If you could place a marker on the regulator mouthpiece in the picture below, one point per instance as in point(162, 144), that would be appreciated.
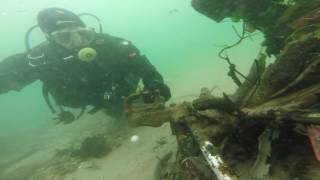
point(87, 54)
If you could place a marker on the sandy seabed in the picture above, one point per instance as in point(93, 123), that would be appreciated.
point(36, 159)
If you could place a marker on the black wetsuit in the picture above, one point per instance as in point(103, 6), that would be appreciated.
point(102, 83)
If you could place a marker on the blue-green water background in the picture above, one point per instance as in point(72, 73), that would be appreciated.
point(183, 45)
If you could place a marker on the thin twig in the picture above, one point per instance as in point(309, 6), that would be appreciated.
point(226, 58)
point(236, 31)
point(242, 37)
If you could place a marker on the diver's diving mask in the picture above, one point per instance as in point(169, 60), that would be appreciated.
point(73, 38)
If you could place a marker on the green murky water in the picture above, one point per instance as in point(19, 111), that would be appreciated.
point(181, 43)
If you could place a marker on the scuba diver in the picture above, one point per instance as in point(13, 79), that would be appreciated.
point(80, 67)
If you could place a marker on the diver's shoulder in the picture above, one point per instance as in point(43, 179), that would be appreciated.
point(109, 37)
point(115, 41)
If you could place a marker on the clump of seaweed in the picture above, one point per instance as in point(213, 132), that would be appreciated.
point(93, 147)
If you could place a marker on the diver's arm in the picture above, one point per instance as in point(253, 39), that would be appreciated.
point(140, 65)
point(129, 56)
point(152, 79)
point(15, 73)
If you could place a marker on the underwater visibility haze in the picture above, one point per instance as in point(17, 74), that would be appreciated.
point(181, 43)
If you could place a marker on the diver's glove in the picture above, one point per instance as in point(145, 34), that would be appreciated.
point(108, 96)
point(164, 91)
point(148, 97)
point(151, 94)
point(111, 96)
point(65, 117)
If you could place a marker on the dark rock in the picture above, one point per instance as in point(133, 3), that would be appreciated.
point(94, 147)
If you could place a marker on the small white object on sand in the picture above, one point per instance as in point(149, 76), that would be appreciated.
point(134, 138)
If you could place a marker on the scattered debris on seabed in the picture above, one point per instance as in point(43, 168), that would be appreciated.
point(270, 127)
